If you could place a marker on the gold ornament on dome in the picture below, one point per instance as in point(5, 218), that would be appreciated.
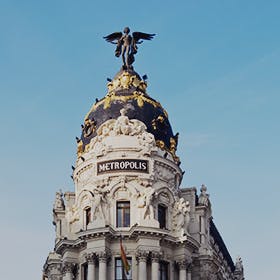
point(126, 81)
point(155, 122)
point(172, 149)
point(79, 148)
point(89, 127)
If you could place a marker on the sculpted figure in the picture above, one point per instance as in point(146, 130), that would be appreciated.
point(238, 264)
point(149, 194)
point(182, 215)
point(146, 140)
point(59, 202)
point(127, 44)
point(203, 197)
point(97, 205)
point(122, 125)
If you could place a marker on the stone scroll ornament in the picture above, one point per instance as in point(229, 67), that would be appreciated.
point(127, 44)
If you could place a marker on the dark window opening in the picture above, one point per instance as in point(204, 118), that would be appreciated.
point(88, 216)
point(120, 273)
point(123, 214)
point(162, 216)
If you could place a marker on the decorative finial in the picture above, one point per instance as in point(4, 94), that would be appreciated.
point(127, 44)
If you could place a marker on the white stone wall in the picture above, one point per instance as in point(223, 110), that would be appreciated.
point(185, 244)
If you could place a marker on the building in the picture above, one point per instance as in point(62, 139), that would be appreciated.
point(128, 218)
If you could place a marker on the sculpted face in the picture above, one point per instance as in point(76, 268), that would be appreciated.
point(126, 30)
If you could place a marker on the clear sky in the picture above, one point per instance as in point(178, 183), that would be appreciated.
point(213, 65)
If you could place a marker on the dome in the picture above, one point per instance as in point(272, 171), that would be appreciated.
point(128, 91)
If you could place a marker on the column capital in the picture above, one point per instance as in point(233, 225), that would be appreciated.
point(142, 255)
point(183, 264)
point(68, 267)
point(155, 256)
point(90, 258)
point(103, 256)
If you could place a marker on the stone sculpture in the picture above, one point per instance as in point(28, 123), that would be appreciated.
point(181, 216)
point(203, 197)
point(59, 202)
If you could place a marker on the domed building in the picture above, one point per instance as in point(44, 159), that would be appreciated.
point(128, 218)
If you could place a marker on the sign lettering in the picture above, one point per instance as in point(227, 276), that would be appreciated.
point(122, 165)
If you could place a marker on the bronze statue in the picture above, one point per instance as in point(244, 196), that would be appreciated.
point(127, 44)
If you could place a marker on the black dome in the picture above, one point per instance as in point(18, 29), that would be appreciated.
point(128, 91)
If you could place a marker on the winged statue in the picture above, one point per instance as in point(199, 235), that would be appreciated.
point(127, 44)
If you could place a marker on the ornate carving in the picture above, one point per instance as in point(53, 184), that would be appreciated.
point(91, 257)
point(147, 143)
point(89, 127)
point(103, 256)
point(122, 126)
point(203, 197)
point(183, 264)
point(146, 201)
point(68, 267)
point(239, 270)
point(59, 202)
point(80, 148)
point(155, 256)
point(142, 255)
point(181, 217)
point(128, 127)
point(238, 264)
point(97, 205)
point(158, 122)
point(72, 215)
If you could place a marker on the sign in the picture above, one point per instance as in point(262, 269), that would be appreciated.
point(122, 165)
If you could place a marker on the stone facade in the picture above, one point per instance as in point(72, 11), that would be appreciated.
point(127, 194)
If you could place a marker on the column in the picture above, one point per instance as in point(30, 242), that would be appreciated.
point(189, 274)
point(68, 271)
point(155, 265)
point(142, 264)
point(91, 266)
point(102, 257)
point(183, 270)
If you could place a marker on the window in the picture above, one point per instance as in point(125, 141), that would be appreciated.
point(120, 273)
point(162, 216)
point(163, 271)
point(123, 214)
point(88, 215)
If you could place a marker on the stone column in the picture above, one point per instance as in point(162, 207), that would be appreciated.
point(91, 266)
point(183, 270)
point(142, 264)
point(102, 257)
point(189, 273)
point(68, 271)
point(155, 265)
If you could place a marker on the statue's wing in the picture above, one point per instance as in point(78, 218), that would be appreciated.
point(140, 35)
point(113, 37)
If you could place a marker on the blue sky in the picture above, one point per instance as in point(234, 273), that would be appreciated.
point(214, 66)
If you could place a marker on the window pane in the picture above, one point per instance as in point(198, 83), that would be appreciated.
point(120, 273)
point(123, 214)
